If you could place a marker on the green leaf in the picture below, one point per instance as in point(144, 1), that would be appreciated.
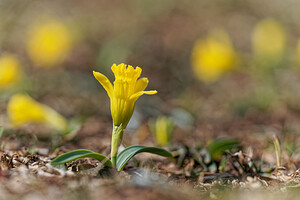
point(80, 153)
point(1, 131)
point(131, 151)
point(218, 147)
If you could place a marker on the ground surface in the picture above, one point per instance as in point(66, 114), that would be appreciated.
point(27, 174)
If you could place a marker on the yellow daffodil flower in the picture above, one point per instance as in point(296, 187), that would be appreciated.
point(268, 39)
point(123, 94)
point(213, 56)
point(22, 110)
point(162, 129)
point(49, 43)
point(10, 70)
point(125, 91)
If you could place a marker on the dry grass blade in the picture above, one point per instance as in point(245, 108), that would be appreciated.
point(277, 150)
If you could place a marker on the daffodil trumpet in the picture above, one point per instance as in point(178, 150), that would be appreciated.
point(123, 94)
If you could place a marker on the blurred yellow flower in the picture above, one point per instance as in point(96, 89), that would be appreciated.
point(162, 129)
point(213, 56)
point(125, 91)
point(268, 39)
point(10, 70)
point(49, 43)
point(22, 110)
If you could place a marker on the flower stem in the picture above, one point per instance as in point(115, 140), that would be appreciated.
point(116, 140)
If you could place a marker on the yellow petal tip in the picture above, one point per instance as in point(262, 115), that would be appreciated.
point(151, 92)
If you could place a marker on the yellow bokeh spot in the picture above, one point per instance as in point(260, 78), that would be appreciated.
point(22, 110)
point(268, 38)
point(10, 70)
point(213, 56)
point(162, 128)
point(49, 43)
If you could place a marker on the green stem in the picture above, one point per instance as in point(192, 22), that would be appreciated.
point(114, 161)
point(116, 140)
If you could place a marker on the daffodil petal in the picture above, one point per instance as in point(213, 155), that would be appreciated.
point(135, 96)
point(103, 80)
point(141, 84)
point(150, 92)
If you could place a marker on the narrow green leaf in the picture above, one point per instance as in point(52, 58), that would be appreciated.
point(80, 153)
point(131, 151)
point(2, 144)
point(1, 131)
